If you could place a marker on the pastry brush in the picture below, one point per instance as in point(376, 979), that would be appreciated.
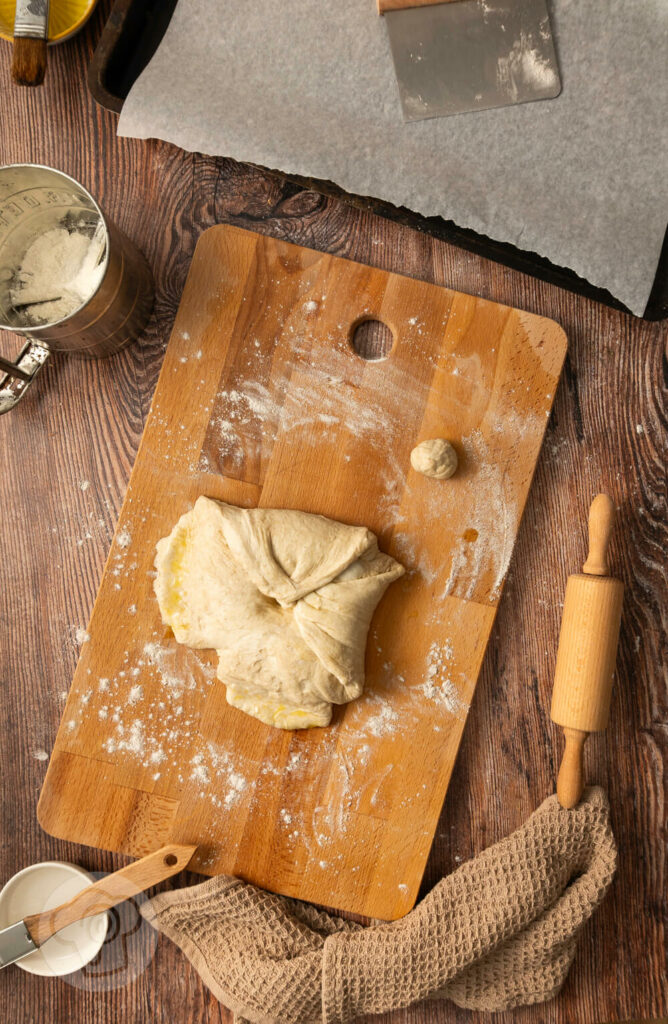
point(30, 33)
point(24, 937)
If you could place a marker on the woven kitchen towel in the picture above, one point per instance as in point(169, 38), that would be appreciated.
point(497, 933)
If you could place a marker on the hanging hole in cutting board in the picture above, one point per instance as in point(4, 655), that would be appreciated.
point(371, 339)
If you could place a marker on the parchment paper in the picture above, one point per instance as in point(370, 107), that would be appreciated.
point(308, 87)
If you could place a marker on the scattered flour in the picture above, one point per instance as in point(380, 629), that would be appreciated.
point(134, 740)
point(124, 538)
point(250, 416)
point(163, 659)
point(200, 772)
point(40, 755)
point(383, 723)
point(237, 784)
point(492, 517)
point(438, 686)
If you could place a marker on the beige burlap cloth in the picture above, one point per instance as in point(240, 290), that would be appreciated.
point(497, 933)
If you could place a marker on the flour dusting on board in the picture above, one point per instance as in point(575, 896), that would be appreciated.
point(438, 685)
point(163, 659)
point(319, 403)
point(312, 403)
point(169, 728)
point(492, 514)
point(315, 394)
point(124, 538)
point(383, 723)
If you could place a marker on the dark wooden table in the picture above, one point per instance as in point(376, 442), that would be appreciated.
point(83, 422)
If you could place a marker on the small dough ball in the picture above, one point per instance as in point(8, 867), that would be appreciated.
point(436, 458)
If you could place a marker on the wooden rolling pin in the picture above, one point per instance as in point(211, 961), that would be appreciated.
point(587, 652)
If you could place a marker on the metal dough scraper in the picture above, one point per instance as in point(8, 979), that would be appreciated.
point(451, 56)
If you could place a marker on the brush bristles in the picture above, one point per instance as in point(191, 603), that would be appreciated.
point(29, 61)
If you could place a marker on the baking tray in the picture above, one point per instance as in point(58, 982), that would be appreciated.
point(128, 41)
point(132, 35)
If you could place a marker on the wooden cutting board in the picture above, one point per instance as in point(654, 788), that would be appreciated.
point(262, 400)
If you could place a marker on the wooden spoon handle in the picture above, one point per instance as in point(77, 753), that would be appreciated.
point(109, 891)
point(570, 781)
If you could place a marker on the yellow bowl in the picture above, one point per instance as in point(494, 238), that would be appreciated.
point(65, 18)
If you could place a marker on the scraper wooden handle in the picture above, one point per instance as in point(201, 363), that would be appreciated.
point(400, 5)
point(587, 652)
point(109, 891)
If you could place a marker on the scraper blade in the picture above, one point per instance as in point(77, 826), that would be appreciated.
point(470, 55)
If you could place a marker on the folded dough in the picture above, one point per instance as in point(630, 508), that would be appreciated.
point(285, 598)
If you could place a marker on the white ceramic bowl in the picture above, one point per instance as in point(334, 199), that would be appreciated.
point(43, 887)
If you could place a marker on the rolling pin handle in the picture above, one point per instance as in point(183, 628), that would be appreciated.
point(570, 781)
point(601, 521)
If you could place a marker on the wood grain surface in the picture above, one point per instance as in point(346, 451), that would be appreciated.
point(66, 459)
point(281, 411)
